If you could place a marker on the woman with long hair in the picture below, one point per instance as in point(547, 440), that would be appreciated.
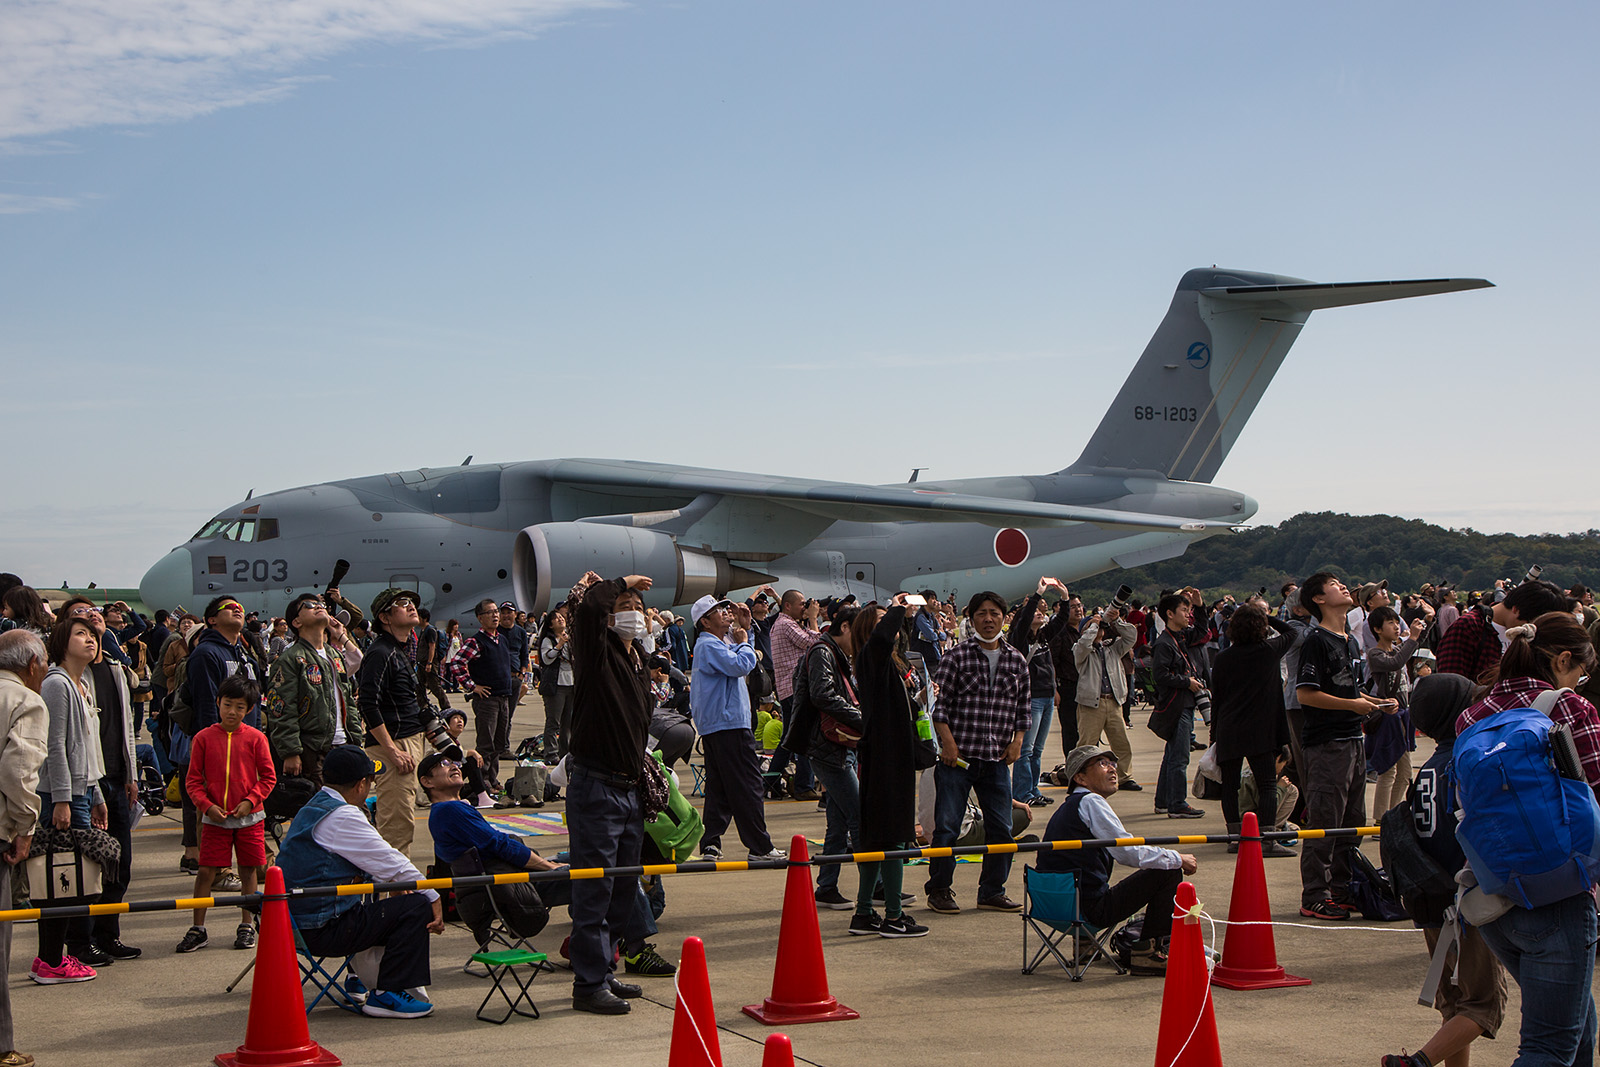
point(1247, 717)
point(886, 755)
point(24, 607)
point(69, 782)
point(555, 659)
point(1548, 950)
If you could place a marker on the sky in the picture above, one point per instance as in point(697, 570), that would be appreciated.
point(264, 243)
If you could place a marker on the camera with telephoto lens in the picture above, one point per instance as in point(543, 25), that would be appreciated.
point(439, 737)
point(1120, 600)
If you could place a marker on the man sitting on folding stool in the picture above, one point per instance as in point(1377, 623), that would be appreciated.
point(1086, 815)
point(331, 842)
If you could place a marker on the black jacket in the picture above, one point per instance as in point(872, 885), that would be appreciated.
point(1247, 696)
point(821, 686)
point(387, 688)
point(887, 753)
point(611, 693)
point(1173, 666)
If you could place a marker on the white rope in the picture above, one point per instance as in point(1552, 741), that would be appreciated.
point(1334, 927)
point(678, 996)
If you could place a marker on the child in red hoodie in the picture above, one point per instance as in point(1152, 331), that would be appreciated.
point(230, 775)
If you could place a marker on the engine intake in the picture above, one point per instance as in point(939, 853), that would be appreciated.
point(550, 557)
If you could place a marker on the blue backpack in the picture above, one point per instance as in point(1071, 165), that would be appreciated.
point(1529, 833)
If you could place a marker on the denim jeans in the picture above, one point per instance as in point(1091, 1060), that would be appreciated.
point(1549, 952)
point(991, 781)
point(1172, 783)
point(1025, 772)
point(606, 824)
point(844, 814)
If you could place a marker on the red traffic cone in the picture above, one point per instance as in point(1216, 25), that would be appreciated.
point(1249, 954)
point(799, 978)
point(779, 1053)
point(694, 1019)
point(276, 1035)
point(1188, 1036)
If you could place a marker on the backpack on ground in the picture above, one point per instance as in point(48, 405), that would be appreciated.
point(1372, 891)
point(1530, 832)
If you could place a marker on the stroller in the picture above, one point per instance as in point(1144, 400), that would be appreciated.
point(152, 785)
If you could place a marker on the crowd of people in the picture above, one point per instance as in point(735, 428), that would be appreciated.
point(910, 722)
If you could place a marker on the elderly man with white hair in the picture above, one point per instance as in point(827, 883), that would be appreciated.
point(23, 665)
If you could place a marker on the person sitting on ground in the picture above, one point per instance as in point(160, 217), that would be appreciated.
point(331, 842)
point(456, 826)
point(1472, 994)
point(1286, 793)
point(1086, 815)
point(230, 775)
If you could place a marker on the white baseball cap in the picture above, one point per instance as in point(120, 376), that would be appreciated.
point(703, 605)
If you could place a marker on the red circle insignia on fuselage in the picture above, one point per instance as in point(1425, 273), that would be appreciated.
point(1011, 547)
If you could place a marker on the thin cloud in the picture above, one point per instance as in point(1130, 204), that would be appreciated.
point(19, 204)
point(77, 64)
point(907, 361)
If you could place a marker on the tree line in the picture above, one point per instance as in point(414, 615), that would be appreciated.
point(1358, 548)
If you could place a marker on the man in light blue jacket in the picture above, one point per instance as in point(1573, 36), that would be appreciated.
point(720, 703)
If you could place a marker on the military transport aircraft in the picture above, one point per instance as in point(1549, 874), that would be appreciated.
point(1140, 492)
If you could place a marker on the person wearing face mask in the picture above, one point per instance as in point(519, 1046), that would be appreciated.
point(606, 779)
point(486, 669)
point(723, 655)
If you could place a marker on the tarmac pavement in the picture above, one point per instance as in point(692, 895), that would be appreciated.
point(948, 998)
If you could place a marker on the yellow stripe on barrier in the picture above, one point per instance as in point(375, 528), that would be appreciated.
point(359, 889)
point(586, 873)
point(869, 857)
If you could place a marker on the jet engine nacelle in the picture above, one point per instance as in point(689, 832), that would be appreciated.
point(550, 557)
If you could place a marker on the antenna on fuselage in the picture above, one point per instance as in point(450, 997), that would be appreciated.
point(251, 493)
point(914, 472)
point(466, 461)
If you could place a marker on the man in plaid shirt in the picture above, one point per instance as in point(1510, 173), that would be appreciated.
point(981, 715)
point(793, 633)
point(1476, 641)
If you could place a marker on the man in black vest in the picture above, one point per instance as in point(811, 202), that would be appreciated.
point(1085, 816)
point(487, 670)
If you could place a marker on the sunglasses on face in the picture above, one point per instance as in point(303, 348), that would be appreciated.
point(84, 611)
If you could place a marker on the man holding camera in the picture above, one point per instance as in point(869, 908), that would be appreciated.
point(1477, 639)
point(394, 718)
point(1178, 684)
point(1103, 686)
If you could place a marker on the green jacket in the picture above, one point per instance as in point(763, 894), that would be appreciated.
point(303, 698)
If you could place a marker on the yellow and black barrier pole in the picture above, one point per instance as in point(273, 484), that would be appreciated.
point(252, 900)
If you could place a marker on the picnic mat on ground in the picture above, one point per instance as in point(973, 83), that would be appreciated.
point(522, 821)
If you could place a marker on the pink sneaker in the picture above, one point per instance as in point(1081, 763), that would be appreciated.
point(70, 971)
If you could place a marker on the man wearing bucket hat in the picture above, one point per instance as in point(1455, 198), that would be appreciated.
point(330, 842)
point(1086, 815)
point(387, 695)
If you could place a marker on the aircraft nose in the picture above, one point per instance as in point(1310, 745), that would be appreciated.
point(170, 583)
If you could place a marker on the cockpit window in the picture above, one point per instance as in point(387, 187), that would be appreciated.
point(266, 529)
point(236, 530)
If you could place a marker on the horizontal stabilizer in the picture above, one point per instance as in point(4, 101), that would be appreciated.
point(1312, 296)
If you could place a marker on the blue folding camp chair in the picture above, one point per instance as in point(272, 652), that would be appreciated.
point(1050, 909)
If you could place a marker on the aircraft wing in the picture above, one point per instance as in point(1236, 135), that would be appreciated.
point(848, 501)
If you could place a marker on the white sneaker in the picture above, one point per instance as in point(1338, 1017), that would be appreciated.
point(775, 854)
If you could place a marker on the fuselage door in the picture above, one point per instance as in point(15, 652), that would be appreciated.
point(861, 578)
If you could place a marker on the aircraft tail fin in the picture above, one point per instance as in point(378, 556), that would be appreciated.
point(1210, 361)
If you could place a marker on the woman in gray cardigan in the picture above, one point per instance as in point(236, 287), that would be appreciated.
point(69, 783)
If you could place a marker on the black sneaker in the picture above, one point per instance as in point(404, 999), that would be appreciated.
point(90, 955)
point(195, 939)
point(648, 963)
point(905, 898)
point(865, 925)
point(901, 926)
point(1128, 785)
point(833, 900)
point(188, 865)
point(118, 951)
point(943, 901)
point(1324, 909)
point(1416, 1059)
point(245, 936)
point(1185, 811)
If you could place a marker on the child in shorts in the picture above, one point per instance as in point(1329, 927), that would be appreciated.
point(230, 775)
